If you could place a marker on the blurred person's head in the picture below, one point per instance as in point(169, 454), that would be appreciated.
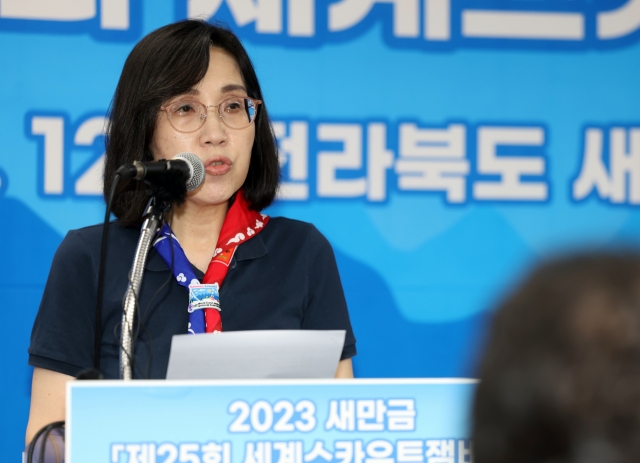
point(560, 377)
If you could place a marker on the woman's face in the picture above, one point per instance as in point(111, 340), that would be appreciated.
point(225, 152)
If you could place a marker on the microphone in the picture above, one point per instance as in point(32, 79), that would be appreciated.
point(187, 165)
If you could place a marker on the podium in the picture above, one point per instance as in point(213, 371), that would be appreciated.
point(270, 421)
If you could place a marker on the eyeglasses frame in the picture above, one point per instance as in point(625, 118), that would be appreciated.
point(206, 113)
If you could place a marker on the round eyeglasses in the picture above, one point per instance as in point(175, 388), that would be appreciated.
point(188, 115)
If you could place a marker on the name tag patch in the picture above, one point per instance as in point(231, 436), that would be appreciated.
point(204, 297)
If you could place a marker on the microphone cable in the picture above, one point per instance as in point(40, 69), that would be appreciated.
point(43, 434)
point(101, 272)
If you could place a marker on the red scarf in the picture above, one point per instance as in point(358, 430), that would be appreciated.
point(240, 225)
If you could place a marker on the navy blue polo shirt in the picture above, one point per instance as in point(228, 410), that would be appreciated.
point(285, 277)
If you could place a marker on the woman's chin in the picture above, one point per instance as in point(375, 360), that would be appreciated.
point(210, 195)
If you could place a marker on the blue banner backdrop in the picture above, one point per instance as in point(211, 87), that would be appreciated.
point(443, 146)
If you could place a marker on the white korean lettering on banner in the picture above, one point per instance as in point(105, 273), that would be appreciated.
point(184, 452)
point(342, 415)
point(52, 129)
point(288, 452)
point(293, 154)
point(370, 414)
point(345, 451)
point(286, 410)
point(91, 181)
point(318, 451)
point(379, 160)
point(307, 418)
point(510, 169)
point(401, 415)
point(257, 452)
point(349, 451)
point(440, 451)
point(430, 159)
point(593, 173)
point(301, 18)
point(408, 451)
point(189, 453)
point(216, 453)
point(437, 20)
point(379, 451)
point(523, 25)
point(168, 450)
point(433, 160)
point(296, 19)
point(465, 452)
point(621, 183)
point(345, 14)
point(60, 10)
point(625, 164)
point(116, 449)
point(404, 19)
point(262, 417)
point(114, 14)
point(349, 158)
point(267, 14)
point(141, 453)
point(619, 22)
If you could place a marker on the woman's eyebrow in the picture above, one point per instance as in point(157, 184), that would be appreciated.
point(232, 87)
point(225, 89)
point(191, 91)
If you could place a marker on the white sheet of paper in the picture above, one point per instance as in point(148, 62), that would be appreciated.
point(256, 354)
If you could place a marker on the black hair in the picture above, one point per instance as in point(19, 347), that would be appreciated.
point(168, 62)
point(560, 377)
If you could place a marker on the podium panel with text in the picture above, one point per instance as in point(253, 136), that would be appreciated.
point(277, 421)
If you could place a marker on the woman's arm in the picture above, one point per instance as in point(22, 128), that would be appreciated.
point(326, 305)
point(48, 389)
point(345, 369)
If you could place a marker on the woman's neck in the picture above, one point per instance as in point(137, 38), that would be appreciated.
point(198, 228)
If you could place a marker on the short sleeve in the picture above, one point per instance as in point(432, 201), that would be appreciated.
point(327, 307)
point(63, 331)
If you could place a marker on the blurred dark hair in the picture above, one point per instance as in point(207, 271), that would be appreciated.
point(560, 377)
point(166, 63)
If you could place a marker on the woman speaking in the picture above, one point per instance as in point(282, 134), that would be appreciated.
point(187, 87)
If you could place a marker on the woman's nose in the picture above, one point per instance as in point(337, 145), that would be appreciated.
point(213, 130)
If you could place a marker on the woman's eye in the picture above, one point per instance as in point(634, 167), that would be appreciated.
point(182, 109)
point(233, 106)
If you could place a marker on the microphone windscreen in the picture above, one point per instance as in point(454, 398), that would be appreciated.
point(197, 169)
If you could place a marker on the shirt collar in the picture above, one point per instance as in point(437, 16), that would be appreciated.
point(155, 262)
point(252, 249)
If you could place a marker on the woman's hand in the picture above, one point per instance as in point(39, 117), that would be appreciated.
point(48, 395)
point(345, 369)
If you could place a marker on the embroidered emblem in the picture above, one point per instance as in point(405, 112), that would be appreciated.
point(204, 297)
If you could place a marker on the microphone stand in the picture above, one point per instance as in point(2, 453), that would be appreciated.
point(153, 218)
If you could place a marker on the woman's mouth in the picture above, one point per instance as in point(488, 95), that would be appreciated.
point(218, 165)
